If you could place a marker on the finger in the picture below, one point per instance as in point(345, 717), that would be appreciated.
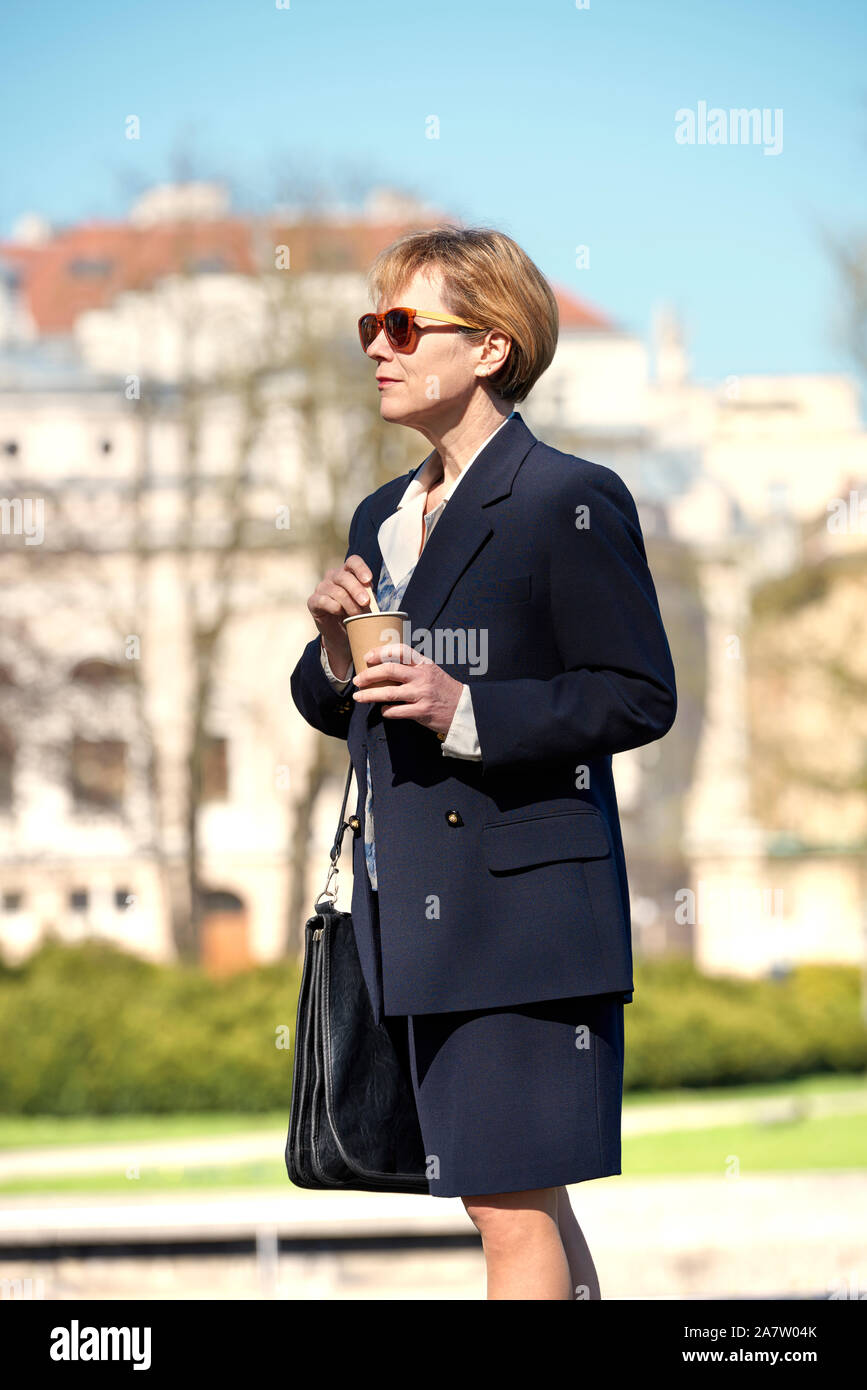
point(332, 601)
point(359, 568)
point(385, 678)
point(400, 711)
point(395, 651)
point(356, 577)
point(358, 592)
point(378, 672)
point(346, 597)
point(324, 602)
point(399, 693)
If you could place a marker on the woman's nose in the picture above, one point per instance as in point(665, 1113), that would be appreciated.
point(380, 347)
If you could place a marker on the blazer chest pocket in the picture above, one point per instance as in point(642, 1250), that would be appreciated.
point(513, 588)
point(543, 839)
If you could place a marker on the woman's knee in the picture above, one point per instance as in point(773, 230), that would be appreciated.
point(509, 1216)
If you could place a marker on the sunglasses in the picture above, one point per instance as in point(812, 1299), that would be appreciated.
point(400, 327)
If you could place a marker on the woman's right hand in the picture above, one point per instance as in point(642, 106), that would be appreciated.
point(341, 594)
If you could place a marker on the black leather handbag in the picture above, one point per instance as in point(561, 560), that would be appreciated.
point(352, 1117)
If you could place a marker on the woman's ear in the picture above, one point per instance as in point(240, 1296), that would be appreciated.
point(497, 346)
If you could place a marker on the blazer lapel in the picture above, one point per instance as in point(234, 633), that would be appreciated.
point(461, 532)
point(367, 540)
point(465, 526)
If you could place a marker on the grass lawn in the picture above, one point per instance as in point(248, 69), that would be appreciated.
point(34, 1131)
point(837, 1142)
point(829, 1142)
point(824, 1083)
point(158, 1179)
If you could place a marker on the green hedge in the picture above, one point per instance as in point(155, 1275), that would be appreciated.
point(691, 1030)
point(92, 1030)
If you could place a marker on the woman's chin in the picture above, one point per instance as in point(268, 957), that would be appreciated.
point(393, 410)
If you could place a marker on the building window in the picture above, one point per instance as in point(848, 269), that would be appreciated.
point(215, 779)
point(7, 769)
point(97, 672)
point(97, 773)
point(219, 900)
point(120, 897)
point(12, 902)
point(10, 446)
point(90, 267)
point(105, 446)
point(78, 899)
point(331, 255)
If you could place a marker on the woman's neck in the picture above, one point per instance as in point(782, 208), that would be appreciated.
point(455, 445)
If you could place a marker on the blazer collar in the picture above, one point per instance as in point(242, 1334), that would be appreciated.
point(464, 527)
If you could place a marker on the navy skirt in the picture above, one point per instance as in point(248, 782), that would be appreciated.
point(516, 1098)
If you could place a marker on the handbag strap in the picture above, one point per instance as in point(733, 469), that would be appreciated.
point(342, 827)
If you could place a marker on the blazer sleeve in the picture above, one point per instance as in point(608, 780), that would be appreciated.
point(329, 710)
point(617, 689)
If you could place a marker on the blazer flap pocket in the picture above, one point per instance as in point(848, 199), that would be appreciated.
point(541, 839)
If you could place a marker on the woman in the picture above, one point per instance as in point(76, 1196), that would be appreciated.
point(490, 900)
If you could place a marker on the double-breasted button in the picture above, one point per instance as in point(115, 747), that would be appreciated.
point(453, 818)
point(347, 705)
point(441, 737)
point(354, 824)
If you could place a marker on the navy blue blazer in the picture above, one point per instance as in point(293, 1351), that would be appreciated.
point(504, 881)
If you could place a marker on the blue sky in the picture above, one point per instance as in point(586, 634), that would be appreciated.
point(556, 124)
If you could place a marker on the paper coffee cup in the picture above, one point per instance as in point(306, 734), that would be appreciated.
point(368, 630)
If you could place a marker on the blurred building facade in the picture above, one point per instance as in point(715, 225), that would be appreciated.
point(738, 485)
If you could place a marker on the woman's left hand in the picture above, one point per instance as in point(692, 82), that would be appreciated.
point(417, 688)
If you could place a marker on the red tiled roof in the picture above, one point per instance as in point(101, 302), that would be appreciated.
point(575, 313)
point(85, 267)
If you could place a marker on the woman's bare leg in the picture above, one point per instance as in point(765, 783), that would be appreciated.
point(582, 1271)
point(524, 1253)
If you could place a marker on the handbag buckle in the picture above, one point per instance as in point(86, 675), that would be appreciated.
point(355, 825)
point(328, 891)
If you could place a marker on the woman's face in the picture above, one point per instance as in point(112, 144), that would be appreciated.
point(432, 385)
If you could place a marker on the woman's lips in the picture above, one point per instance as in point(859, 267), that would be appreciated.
point(386, 381)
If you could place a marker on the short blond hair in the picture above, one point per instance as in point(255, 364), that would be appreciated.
point(487, 280)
